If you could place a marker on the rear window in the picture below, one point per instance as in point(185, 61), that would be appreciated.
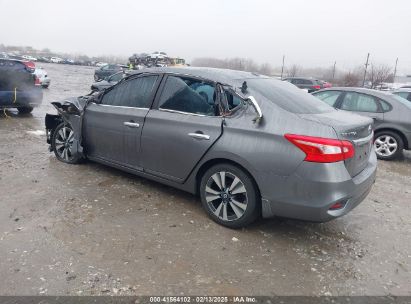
point(405, 102)
point(287, 96)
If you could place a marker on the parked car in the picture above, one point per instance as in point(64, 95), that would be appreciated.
point(43, 79)
point(391, 115)
point(18, 86)
point(404, 93)
point(325, 84)
point(43, 59)
point(29, 58)
point(308, 84)
point(249, 145)
point(107, 82)
point(107, 70)
point(101, 64)
point(56, 59)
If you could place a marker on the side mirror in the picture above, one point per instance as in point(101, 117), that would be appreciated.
point(257, 109)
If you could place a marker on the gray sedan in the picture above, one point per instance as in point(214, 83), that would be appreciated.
point(391, 115)
point(248, 145)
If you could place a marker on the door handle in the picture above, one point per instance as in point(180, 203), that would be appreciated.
point(131, 124)
point(199, 136)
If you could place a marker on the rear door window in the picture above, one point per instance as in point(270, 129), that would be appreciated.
point(134, 92)
point(359, 103)
point(188, 95)
point(330, 97)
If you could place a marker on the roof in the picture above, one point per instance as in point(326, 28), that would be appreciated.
point(403, 90)
point(224, 76)
point(380, 94)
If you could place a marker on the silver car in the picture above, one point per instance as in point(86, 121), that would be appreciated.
point(391, 115)
point(247, 144)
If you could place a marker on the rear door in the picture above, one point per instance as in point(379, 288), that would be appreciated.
point(112, 129)
point(363, 104)
point(181, 128)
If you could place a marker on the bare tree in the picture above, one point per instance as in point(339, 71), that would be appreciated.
point(293, 71)
point(237, 63)
point(350, 79)
point(379, 74)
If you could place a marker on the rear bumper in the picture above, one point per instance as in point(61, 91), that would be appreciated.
point(314, 188)
point(12, 99)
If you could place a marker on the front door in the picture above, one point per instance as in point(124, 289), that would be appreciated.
point(112, 129)
point(184, 126)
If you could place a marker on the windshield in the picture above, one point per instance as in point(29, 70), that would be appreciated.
point(288, 96)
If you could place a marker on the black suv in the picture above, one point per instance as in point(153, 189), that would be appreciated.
point(18, 86)
point(107, 70)
point(309, 84)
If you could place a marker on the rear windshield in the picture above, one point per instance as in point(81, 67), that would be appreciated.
point(402, 100)
point(288, 96)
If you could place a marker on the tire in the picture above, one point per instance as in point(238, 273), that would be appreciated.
point(45, 86)
point(388, 145)
point(230, 196)
point(62, 143)
point(25, 110)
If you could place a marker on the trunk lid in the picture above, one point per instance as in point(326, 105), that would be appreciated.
point(351, 127)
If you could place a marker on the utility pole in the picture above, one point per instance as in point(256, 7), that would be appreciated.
point(282, 68)
point(335, 62)
point(395, 70)
point(365, 70)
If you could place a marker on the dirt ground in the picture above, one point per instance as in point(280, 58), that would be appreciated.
point(92, 230)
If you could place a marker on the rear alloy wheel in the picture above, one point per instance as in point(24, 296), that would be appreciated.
point(25, 110)
point(62, 144)
point(388, 145)
point(229, 196)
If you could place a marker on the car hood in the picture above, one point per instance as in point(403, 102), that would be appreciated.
point(78, 102)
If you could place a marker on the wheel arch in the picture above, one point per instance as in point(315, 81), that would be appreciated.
point(400, 133)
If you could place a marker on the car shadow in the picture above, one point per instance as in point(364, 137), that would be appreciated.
point(11, 113)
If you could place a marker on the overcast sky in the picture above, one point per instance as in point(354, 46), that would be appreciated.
point(310, 33)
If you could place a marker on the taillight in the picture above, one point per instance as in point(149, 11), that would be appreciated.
point(322, 150)
point(317, 87)
point(36, 80)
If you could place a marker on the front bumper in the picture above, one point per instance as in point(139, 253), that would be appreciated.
point(314, 188)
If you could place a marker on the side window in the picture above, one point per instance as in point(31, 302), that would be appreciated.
point(306, 81)
point(232, 100)
point(329, 97)
point(188, 95)
point(105, 67)
point(131, 93)
point(359, 102)
point(385, 106)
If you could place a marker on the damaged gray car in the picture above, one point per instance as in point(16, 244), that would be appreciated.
point(247, 144)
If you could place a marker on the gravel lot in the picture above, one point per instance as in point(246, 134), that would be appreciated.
point(92, 230)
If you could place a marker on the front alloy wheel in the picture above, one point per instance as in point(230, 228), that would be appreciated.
point(62, 142)
point(229, 195)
